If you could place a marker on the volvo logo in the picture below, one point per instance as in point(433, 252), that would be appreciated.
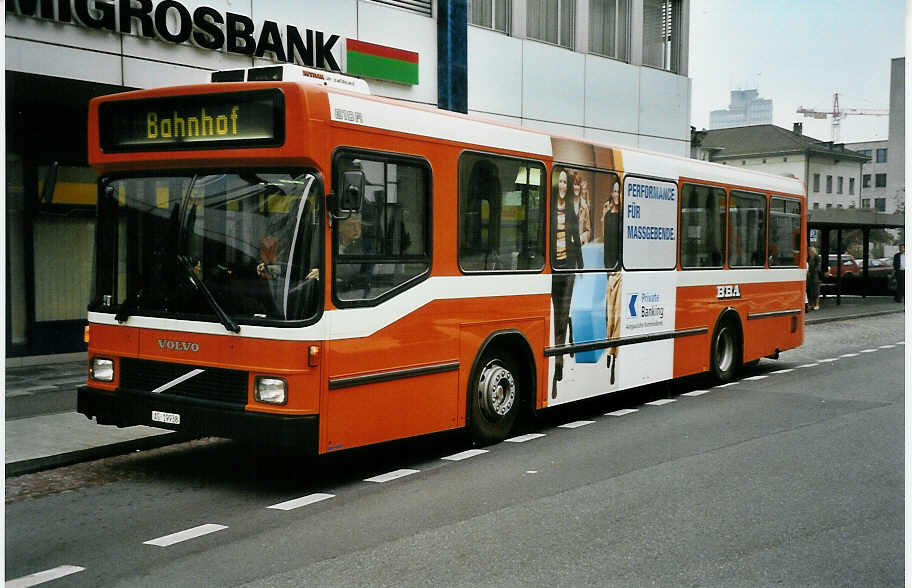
point(170, 345)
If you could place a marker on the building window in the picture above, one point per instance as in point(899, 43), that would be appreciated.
point(882, 155)
point(816, 205)
point(609, 27)
point(880, 180)
point(829, 205)
point(839, 185)
point(816, 182)
point(866, 180)
point(662, 34)
point(829, 184)
point(551, 21)
point(491, 14)
point(851, 185)
point(866, 203)
point(866, 153)
point(418, 6)
point(880, 204)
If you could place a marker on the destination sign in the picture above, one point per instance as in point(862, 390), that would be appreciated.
point(206, 121)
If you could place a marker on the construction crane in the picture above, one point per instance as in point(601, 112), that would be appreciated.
point(838, 114)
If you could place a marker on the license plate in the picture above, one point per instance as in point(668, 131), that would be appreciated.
point(166, 417)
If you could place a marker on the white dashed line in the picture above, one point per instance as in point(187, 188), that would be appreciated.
point(726, 385)
point(531, 471)
point(869, 351)
point(808, 365)
point(303, 501)
point(524, 438)
point(186, 535)
point(785, 371)
point(576, 424)
point(391, 476)
point(754, 378)
point(42, 577)
point(849, 355)
point(622, 412)
point(465, 454)
point(887, 346)
point(828, 360)
point(900, 342)
point(696, 393)
point(661, 402)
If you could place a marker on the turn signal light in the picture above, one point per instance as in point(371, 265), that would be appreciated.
point(85, 334)
point(313, 355)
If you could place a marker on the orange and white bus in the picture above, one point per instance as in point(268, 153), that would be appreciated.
point(286, 258)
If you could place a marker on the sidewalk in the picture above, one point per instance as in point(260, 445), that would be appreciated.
point(43, 429)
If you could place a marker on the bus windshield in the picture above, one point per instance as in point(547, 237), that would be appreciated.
point(241, 246)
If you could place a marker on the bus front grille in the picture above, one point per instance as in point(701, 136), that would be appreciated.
point(216, 384)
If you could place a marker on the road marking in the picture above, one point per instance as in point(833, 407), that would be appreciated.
point(887, 346)
point(465, 454)
point(849, 355)
point(524, 438)
point(869, 351)
point(303, 501)
point(531, 471)
point(622, 412)
point(660, 402)
point(576, 424)
point(785, 371)
point(696, 393)
point(42, 577)
point(752, 378)
point(725, 385)
point(391, 476)
point(186, 535)
point(828, 360)
point(900, 342)
point(807, 365)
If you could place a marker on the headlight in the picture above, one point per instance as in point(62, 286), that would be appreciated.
point(271, 390)
point(102, 369)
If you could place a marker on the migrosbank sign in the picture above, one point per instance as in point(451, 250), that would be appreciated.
point(208, 28)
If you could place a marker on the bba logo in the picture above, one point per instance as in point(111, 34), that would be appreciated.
point(723, 292)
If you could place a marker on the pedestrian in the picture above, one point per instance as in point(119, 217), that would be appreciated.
point(813, 279)
point(899, 270)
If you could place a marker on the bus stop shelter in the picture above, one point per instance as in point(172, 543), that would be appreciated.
point(841, 220)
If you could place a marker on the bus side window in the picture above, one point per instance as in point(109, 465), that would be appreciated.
point(702, 226)
point(501, 216)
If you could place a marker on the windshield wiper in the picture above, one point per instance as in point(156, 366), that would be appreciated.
point(207, 293)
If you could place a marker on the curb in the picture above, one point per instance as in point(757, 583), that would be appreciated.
point(38, 464)
point(846, 317)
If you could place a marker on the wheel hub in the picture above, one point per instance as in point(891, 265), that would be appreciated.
point(496, 390)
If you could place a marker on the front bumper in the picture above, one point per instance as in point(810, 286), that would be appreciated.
point(125, 408)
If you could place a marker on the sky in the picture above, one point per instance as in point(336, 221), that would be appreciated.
point(797, 53)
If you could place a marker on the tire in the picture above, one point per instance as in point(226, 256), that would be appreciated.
point(725, 351)
point(494, 398)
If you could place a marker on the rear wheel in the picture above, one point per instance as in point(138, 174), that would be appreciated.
point(725, 351)
point(494, 398)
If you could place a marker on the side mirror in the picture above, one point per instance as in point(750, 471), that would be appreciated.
point(352, 192)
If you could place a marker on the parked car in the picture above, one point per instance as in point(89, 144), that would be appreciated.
point(880, 276)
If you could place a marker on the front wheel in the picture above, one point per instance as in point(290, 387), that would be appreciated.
point(494, 398)
point(724, 351)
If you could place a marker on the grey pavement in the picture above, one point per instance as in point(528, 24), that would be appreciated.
point(43, 429)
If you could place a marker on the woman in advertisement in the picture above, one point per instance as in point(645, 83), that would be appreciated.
point(567, 254)
point(581, 208)
point(611, 223)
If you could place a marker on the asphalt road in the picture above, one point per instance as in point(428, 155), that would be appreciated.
point(792, 476)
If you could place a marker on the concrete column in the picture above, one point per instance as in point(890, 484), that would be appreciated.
point(452, 55)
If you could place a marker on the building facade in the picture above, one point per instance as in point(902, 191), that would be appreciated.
point(609, 70)
point(745, 108)
point(874, 192)
point(831, 172)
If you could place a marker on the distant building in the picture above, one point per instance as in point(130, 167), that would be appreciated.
point(831, 172)
point(746, 108)
point(874, 175)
